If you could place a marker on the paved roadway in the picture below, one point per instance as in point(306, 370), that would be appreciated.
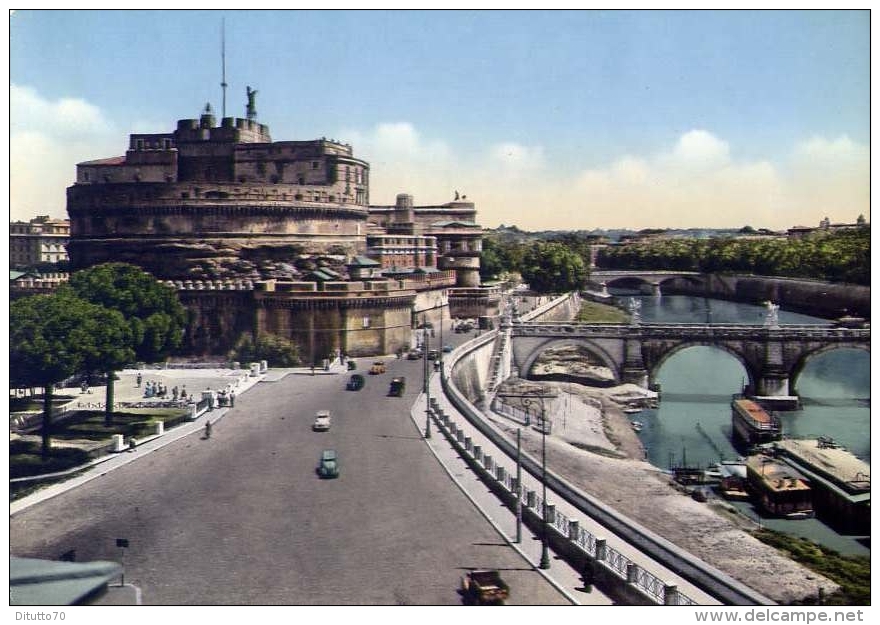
point(243, 519)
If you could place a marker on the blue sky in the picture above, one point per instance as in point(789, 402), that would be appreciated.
point(546, 119)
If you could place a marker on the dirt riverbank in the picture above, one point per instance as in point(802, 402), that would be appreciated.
point(593, 446)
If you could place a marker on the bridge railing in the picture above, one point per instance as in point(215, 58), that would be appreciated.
point(662, 330)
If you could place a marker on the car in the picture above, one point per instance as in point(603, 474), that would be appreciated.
point(433, 354)
point(356, 382)
point(328, 464)
point(398, 385)
point(377, 368)
point(414, 354)
point(447, 349)
point(322, 421)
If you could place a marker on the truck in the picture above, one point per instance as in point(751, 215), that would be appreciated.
point(484, 587)
point(398, 385)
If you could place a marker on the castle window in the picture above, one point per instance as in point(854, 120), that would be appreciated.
point(86, 176)
point(139, 144)
point(301, 180)
point(314, 164)
point(166, 144)
point(366, 322)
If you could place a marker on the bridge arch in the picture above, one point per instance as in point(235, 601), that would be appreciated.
point(606, 358)
point(807, 356)
point(654, 367)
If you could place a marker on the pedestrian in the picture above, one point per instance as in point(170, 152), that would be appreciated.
point(231, 399)
point(139, 379)
point(588, 574)
point(208, 428)
point(132, 444)
point(175, 392)
point(183, 392)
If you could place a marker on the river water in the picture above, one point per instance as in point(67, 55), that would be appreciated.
point(692, 424)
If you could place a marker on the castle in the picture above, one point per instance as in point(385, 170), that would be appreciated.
point(276, 237)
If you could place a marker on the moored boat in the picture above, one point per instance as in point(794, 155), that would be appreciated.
point(752, 424)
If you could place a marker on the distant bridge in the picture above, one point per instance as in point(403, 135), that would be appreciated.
point(773, 356)
point(612, 277)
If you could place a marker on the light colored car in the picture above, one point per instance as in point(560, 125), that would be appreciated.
point(322, 421)
point(328, 465)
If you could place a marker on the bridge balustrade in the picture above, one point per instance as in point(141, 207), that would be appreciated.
point(650, 584)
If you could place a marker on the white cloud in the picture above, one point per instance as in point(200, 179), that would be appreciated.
point(46, 140)
point(64, 118)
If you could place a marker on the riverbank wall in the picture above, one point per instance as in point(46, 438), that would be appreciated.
point(820, 299)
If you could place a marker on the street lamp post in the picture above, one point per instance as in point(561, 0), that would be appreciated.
point(518, 487)
point(427, 388)
point(527, 400)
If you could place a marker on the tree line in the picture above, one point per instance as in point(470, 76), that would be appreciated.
point(561, 262)
point(831, 256)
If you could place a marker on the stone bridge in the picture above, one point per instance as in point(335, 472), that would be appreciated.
point(773, 356)
point(653, 279)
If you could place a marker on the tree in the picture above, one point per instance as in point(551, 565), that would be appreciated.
point(277, 350)
point(49, 339)
point(155, 317)
point(553, 268)
point(110, 348)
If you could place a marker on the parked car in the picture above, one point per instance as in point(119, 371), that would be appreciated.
point(414, 354)
point(356, 382)
point(328, 465)
point(377, 368)
point(322, 421)
point(433, 354)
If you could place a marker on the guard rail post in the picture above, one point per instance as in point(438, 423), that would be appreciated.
point(670, 594)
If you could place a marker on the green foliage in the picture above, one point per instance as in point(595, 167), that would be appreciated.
point(49, 337)
point(553, 268)
point(276, 350)
point(594, 312)
point(852, 573)
point(841, 256)
point(152, 310)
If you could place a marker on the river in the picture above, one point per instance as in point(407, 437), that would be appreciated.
point(692, 423)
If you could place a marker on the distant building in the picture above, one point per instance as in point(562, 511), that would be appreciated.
point(799, 232)
point(24, 283)
point(41, 240)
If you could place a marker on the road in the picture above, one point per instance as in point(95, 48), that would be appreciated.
point(242, 518)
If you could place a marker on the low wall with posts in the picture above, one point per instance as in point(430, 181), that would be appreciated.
point(612, 572)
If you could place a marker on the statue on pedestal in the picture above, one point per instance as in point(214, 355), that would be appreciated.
point(251, 103)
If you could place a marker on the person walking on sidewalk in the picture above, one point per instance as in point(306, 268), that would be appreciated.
point(208, 428)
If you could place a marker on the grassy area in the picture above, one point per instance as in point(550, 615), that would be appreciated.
point(593, 312)
point(852, 573)
point(25, 457)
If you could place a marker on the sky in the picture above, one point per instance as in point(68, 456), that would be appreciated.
point(572, 120)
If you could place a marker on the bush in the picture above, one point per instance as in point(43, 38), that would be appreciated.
point(276, 350)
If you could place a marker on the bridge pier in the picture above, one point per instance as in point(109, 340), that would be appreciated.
point(774, 391)
point(655, 289)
